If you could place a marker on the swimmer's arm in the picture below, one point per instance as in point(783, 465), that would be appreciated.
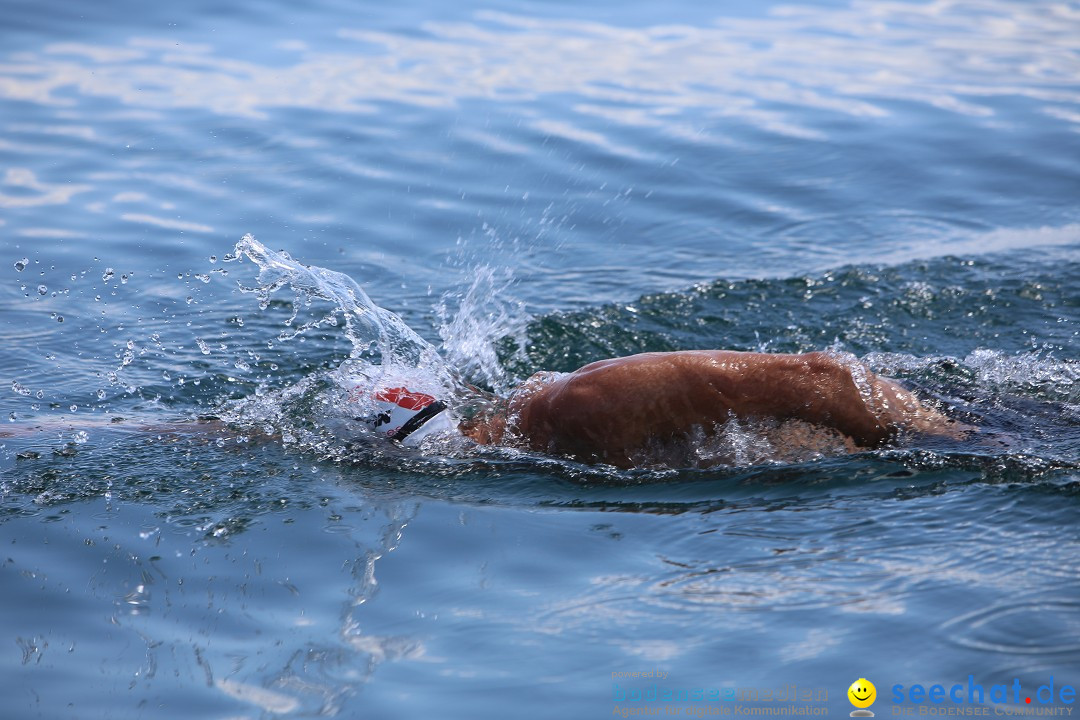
point(63, 429)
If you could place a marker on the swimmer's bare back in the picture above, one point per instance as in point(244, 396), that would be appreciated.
point(613, 410)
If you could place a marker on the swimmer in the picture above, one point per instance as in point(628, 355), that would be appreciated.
point(616, 411)
point(626, 411)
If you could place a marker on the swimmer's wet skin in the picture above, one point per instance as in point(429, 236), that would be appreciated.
point(613, 410)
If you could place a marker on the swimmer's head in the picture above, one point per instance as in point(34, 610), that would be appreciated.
point(395, 412)
point(400, 412)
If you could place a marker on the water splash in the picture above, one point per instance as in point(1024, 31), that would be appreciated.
point(376, 334)
point(480, 326)
point(320, 411)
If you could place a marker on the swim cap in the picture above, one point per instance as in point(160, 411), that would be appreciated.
point(400, 413)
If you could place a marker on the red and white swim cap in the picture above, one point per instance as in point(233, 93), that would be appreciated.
point(400, 413)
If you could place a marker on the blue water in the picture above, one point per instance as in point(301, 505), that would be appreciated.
point(530, 186)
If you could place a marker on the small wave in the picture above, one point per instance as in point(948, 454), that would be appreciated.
point(949, 306)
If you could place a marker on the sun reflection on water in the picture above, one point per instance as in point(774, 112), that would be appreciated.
point(953, 55)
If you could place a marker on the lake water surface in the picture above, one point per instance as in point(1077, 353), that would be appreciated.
point(530, 185)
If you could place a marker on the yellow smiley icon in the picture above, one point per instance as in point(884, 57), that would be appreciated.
point(862, 693)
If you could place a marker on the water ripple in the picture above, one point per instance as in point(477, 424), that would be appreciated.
point(831, 61)
point(1042, 625)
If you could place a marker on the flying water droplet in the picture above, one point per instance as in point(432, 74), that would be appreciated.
point(20, 265)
